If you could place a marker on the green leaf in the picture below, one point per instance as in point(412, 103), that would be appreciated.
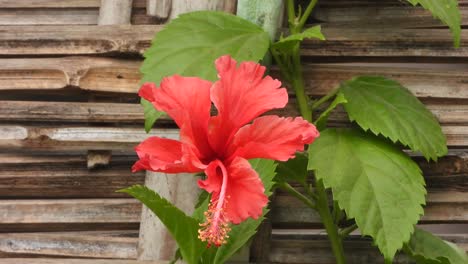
point(426, 248)
point(190, 44)
point(445, 10)
point(151, 114)
point(385, 107)
point(240, 234)
point(202, 206)
point(287, 43)
point(373, 181)
point(321, 122)
point(184, 229)
point(293, 169)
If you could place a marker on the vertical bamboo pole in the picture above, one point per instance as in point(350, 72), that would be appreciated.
point(158, 8)
point(115, 12)
point(155, 242)
point(267, 14)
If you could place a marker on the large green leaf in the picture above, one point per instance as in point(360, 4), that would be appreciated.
point(184, 229)
point(445, 10)
point(240, 234)
point(285, 44)
point(374, 182)
point(293, 169)
point(426, 248)
point(385, 107)
point(190, 44)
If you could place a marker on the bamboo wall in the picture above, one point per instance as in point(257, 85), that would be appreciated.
point(69, 118)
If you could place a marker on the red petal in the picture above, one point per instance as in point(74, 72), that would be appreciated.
point(245, 192)
point(240, 95)
point(166, 155)
point(187, 101)
point(273, 137)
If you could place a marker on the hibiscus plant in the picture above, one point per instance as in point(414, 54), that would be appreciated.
point(206, 61)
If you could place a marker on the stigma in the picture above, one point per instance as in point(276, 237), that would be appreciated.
point(216, 227)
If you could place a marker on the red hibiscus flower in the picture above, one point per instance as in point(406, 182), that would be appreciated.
point(220, 145)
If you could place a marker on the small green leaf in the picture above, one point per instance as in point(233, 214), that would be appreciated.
point(184, 229)
point(385, 107)
point(202, 206)
point(373, 181)
point(293, 169)
point(190, 44)
point(240, 234)
point(447, 11)
point(426, 248)
point(285, 44)
point(321, 122)
point(151, 114)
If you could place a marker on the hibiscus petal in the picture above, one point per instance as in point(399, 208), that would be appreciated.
point(240, 95)
point(244, 196)
point(166, 155)
point(245, 192)
point(187, 101)
point(273, 137)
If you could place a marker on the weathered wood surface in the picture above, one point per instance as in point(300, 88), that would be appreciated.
point(373, 42)
point(442, 207)
point(65, 180)
point(118, 75)
point(79, 16)
point(77, 138)
point(70, 211)
point(287, 247)
point(72, 40)
point(402, 16)
point(159, 8)
point(313, 249)
point(33, 4)
point(124, 139)
point(447, 114)
point(113, 12)
point(97, 74)
point(76, 261)
point(92, 244)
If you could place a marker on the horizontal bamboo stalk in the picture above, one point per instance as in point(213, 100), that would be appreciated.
point(32, 4)
point(66, 180)
point(123, 139)
point(286, 248)
point(76, 261)
point(70, 211)
point(314, 249)
point(380, 42)
point(446, 112)
point(93, 244)
point(443, 206)
point(122, 76)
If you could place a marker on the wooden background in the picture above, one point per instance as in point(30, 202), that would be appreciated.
point(69, 119)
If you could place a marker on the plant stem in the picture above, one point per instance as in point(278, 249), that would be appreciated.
point(325, 98)
point(287, 187)
point(295, 73)
point(329, 223)
point(347, 230)
point(306, 14)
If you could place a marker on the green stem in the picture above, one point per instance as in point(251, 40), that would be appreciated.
point(287, 187)
point(325, 98)
point(347, 230)
point(306, 14)
point(329, 223)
